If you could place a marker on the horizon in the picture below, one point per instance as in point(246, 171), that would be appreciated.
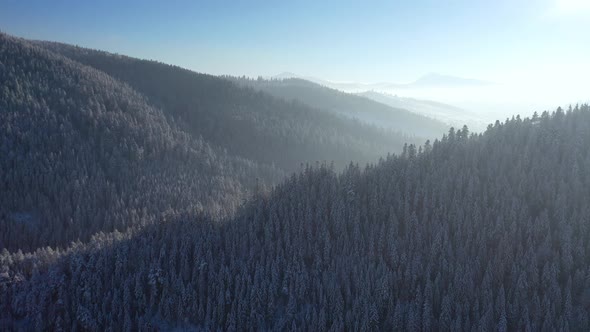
point(377, 42)
point(534, 51)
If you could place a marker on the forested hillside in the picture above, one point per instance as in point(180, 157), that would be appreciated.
point(472, 232)
point(83, 152)
point(349, 105)
point(245, 121)
point(93, 141)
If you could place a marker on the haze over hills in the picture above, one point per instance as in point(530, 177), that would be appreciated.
point(349, 105)
point(446, 113)
point(246, 122)
point(430, 80)
point(286, 86)
point(430, 86)
point(483, 101)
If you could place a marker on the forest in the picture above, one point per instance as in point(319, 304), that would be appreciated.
point(265, 128)
point(94, 142)
point(140, 196)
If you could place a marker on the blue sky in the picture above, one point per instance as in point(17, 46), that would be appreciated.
point(365, 41)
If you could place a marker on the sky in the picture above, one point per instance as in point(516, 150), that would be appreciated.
point(505, 41)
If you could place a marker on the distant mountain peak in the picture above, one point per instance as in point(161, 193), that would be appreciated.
point(285, 74)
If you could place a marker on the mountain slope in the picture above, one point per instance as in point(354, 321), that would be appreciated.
point(245, 122)
point(96, 142)
point(84, 153)
point(349, 105)
point(473, 232)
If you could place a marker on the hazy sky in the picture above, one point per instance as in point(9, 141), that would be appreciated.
point(364, 41)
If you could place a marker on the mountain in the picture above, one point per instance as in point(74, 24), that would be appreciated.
point(349, 105)
point(96, 142)
point(85, 153)
point(472, 232)
point(243, 121)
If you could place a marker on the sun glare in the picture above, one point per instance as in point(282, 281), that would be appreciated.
point(572, 6)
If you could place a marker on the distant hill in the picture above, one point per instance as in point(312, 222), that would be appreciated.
point(446, 113)
point(244, 121)
point(285, 75)
point(431, 80)
point(349, 105)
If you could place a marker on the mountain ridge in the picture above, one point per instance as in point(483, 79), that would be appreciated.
point(200, 103)
point(98, 142)
point(348, 105)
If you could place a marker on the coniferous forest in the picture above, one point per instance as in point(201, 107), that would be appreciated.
point(139, 196)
